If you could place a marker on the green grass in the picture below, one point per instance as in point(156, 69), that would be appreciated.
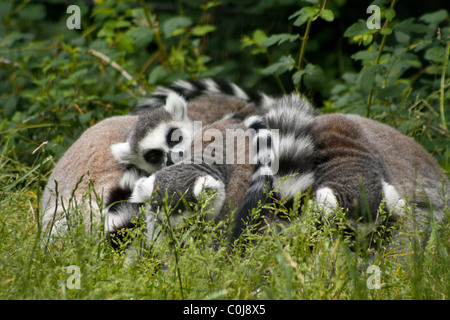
point(309, 259)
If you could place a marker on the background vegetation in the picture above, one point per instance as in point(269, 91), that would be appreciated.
point(56, 82)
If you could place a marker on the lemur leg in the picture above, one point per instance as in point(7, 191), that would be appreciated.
point(326, 199)
point(209, 183)
point(201, 184)
point(394, 203)
point(143, 190)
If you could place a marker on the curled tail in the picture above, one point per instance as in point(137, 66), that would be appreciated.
point(190, 89)
point(120, 213)
point(262, 179)
point(285, 165)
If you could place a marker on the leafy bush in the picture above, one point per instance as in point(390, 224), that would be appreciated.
point(55, 81)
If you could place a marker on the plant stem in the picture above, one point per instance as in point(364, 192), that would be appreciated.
point(377, 61)
point(302, 49)
point(442, 89)
point(304, 41)
point(157, 34)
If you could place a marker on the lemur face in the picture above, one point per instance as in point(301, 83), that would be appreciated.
point(162, 146)
point(159, 137)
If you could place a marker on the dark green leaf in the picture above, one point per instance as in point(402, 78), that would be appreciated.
point(304, 14)
point(297, 77)
point(389, 14)
point(435, 17)
point(172, 24)
point(368, 78)
point(279, 39)
point(327, 15)
point(435, 54)
point(200, 31)
point(356, 29)
point(314, 78)
point(33, 11)
point(157, 75)
point(286, 63)
point(142, 36)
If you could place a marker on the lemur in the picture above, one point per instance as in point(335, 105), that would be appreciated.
point(187, 181)
point(345, 160)
point(89, 170)
point(161, 134)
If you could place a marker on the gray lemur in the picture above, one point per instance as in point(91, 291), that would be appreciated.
point(88, 170)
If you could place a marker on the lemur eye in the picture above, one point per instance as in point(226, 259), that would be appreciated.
point(153, 156)
point(174, 137)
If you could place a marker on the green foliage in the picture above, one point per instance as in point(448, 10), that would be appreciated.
point(56, 82)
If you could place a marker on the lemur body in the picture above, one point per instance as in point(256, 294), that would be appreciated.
point(89, 161)
point(227, 180)
point(85, 174)
point(345, 160)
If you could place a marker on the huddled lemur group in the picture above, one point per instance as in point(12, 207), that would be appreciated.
point(131, 163)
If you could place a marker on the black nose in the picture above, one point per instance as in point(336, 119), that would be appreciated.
point(169, 161)
point(174, 157)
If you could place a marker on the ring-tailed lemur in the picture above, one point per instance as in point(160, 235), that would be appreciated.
point(347, 161)
point(88, 170)
point(227, 180)
point(83, 175)
point(161, 135)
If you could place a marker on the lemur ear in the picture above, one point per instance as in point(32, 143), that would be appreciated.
point(176, 106)
point(122, 152)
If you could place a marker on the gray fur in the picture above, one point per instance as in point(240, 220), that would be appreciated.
point(89, 161)
point(348, 161)
point(180, 180)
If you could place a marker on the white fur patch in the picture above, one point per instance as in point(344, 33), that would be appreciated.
point(185, 85)
point(393, 200)
point(118, 219)
point(176, 106)
point(143, 190)
point(326, 199)
point(291, 185)
point(262, 171)
point(267, 102)
point(129, 178)
point(122, 152)
point(149, 101)
point(296, 147)
point(208, 182)
point(238, 92)
point(211, 86)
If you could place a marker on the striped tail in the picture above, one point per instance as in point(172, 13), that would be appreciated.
point(121, 213)
point(261, 184)
point(190, 89)
point(294, 117)
point(285, 168)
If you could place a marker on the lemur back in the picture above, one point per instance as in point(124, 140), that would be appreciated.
point(84, 174)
